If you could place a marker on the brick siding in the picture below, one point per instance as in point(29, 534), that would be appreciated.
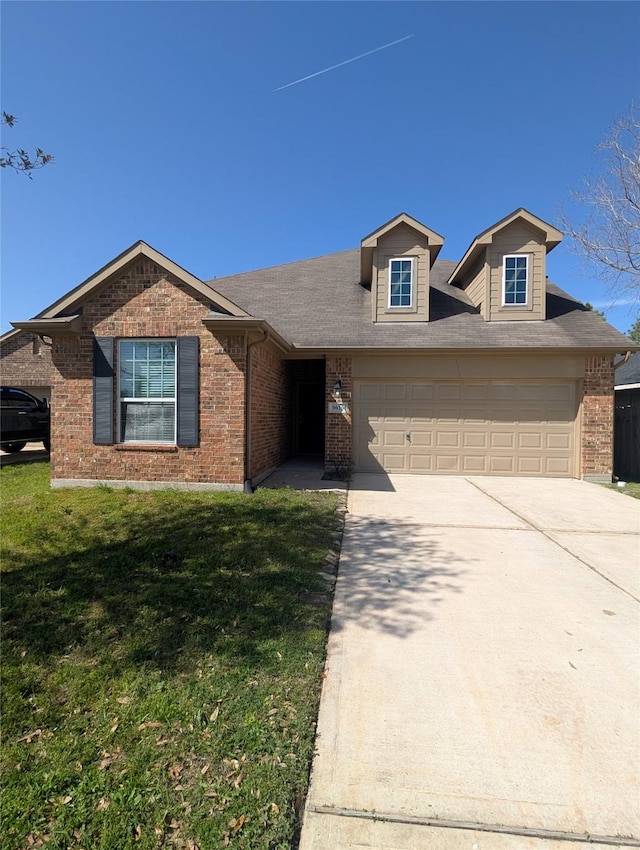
point(25, 361)
point(146, 301)
point(597, 417)
point(270, 407)
point(339, 431)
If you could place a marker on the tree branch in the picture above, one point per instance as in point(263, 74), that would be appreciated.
point(20, 160)
point(608, 238)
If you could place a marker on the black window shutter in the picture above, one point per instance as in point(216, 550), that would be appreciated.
point(188, 401)
point(103, 348)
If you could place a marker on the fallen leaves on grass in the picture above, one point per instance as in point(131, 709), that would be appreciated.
point(234, 826)
point(28, 738)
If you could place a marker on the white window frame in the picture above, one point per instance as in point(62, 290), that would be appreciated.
point(514, 304)
point(120, 399)
point(408, 306)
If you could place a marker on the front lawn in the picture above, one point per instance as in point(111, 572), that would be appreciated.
point(630, 488)
point(162, 657)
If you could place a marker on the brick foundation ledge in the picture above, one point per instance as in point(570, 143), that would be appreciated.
point(197, 486)
point(597, 478)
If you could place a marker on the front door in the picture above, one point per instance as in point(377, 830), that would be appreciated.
point(310, 418)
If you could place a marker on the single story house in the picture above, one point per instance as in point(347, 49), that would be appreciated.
point(383, 358)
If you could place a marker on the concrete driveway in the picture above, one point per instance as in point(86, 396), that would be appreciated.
point(30, 453)
point(482, 685)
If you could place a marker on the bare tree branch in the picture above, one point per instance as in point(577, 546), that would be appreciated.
point(608, 237)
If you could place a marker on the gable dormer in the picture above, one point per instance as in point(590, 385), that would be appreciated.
point(396, 259)
point(504, 269)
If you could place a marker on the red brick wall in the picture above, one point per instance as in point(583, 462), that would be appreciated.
point(597, 417)
point(270, 425)
point(25, 361)
point(146, 301)
point(338, 454)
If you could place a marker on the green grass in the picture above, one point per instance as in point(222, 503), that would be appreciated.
point(630, 489)
point(161, 665)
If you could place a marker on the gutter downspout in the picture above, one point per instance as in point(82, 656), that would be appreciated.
point(624, 360)
point(247, 412)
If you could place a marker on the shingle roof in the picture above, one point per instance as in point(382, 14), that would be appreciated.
point(629, 372)
point(320, 303)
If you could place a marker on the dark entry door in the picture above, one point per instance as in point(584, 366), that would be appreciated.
point(310, 437)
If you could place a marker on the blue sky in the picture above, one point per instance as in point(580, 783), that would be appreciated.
point(166, 126)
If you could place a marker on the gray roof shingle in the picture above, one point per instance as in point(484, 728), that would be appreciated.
point(320, 303)
point(629, 372)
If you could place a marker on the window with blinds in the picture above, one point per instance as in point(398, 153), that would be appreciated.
point(147, 390)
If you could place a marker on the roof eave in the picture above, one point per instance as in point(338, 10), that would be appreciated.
point(9, 334)
point(318, 350)
point(245, 324)
point(60, 326)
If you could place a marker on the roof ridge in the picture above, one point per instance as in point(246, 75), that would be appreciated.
point(211, 280)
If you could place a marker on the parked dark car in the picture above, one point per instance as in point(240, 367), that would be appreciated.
point(23, 419)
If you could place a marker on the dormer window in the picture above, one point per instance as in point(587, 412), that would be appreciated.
point(401, 282)
point(515, 279)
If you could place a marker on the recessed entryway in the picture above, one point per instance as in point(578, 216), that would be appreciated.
point(308, 385)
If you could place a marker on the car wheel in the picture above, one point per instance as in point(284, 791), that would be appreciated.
point(15, 447)
point(47, 445)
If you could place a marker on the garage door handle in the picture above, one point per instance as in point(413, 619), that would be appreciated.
point(408, 436)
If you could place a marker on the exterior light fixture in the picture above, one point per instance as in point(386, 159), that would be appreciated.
point(337, 388)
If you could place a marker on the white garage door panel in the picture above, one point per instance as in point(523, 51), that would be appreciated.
point(482, 428)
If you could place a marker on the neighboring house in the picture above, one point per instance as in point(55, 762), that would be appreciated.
point(626, 464)
point(379, 359)
point(25, 362)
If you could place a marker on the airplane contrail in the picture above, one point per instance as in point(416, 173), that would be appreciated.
point(346, 62)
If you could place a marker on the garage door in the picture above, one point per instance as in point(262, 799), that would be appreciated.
point(476, 428)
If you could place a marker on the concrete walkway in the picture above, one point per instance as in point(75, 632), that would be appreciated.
point(482, 684)
point(303, 474)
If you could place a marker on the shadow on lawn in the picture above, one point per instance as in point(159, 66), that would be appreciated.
point(157, 578)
